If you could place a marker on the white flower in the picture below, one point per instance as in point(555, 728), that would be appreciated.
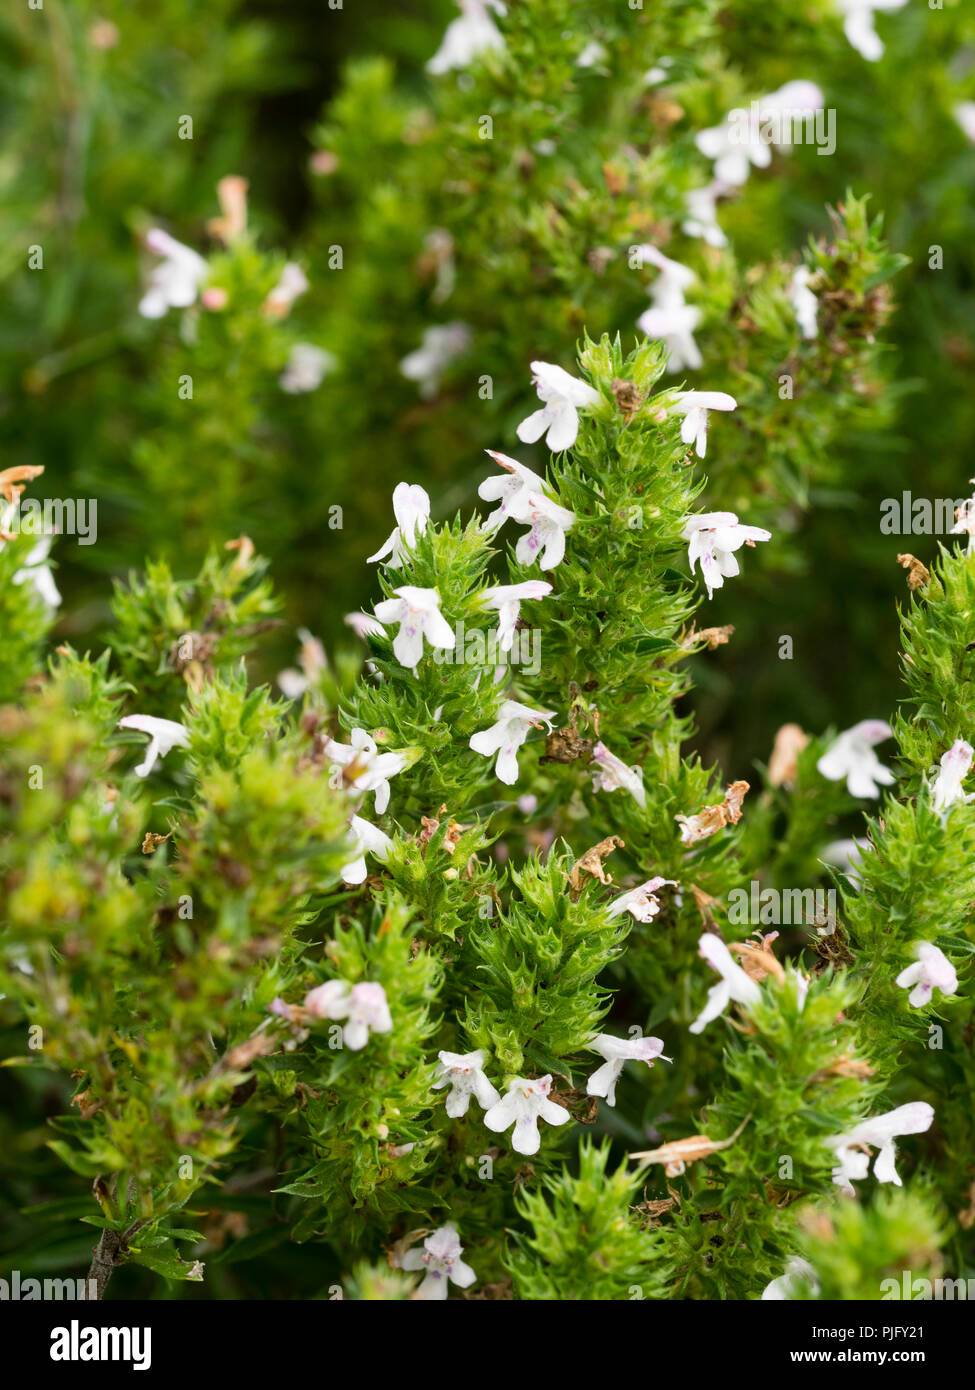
point(164, 735)
point(965, 116)
point(853, 1161)
point(932, 970)
point(473, 33)
point(673, 325)
point(440, 1259)
point(525, 1104)
point(617, 1051)
point(371, 770)
point(592, 55)
point(612, 774)
point(418, 613)
point(464, 1074)
point(673, 280)
point(364, 839)
point(507, 599)
point(36, 570)
point(548, 522)
point(175, 282)
point(440, 346)
point(363, 625)
point(858, 24)
point(364, 1005)
point(797, 1272)
point(745, 136)
point(306, 368)
point(804, 302)
point(312, 661)
point(293, 282)
point(641, 902)
point(702, 220)
point(851, 756)
point(955, 767)
point(519, 483)
point(965, 520)
point(733, 985)
point(411, 507)
point(694, 406)
point(563, 396)
point(846, 856)
point(713, 537)
point(507, 735)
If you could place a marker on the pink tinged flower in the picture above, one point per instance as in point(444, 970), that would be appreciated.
point(858, 25)
point(364, 1006)
point(441, 1265)
point(441, 345)
point(364, 626)
point(175, 282)
point(733, 985)
point(164, 735)
point(673, 325)
point(932, 970)
point(804, 302)
point(545, 541)
point(292, 284)
point(525, 1104)
point(306, 369)
point(617, 1051)
point(641, 902)
point(507, 599)
point(612, 774)
point(694, 406)
point(370, 769)
point(713, 538)
point(852, 1152)
point(563, 396)
point(789, 1285)
point(955, 767)
point(411, 507)
point(507, 735)
point(417, 611)
point(520, 481)
point(851, 756)
point(464, 1074)
point(475, 32)
point(364, 839)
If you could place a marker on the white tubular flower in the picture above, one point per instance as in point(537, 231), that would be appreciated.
point(475, 32)
point(464, 1074)
point(164, 735)
point(507, 735)
point(364, 626)
point(417, 611)
point(641, 902)
point(804, 302)
point(851, 756)
point(440, 346)
point(673, 325)
point(611, 774)
point(525, 1104)
point(733, 985)
point(370, 770)
point(733, 150)
point(853, 1157)
point(364, 1005)
point(306, 369)
point(965, 519)
point(411, 508)
point(858, 25)
point(364, 839)
point(506, 491)
point(563, 396)
point(175, 282)
point(712, 538)
point(36, 571)
point(617, 1051)
point(694, 406)
point(932, 970)
point(701, 205)
point(673, 279)
point(797, 1272)
point(293, 283)
point(545, 541)
point(955, 767)
point(440, 1260)
point(507, 599)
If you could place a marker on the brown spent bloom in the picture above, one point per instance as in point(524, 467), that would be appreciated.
point(918, 574)
point(592, 863)
point(628, 398)
point(232, 197)
point(22, 473)
point(782, 765)
point(713, 818)
point(676, 1155)
point(712, 636)
point(757, 961)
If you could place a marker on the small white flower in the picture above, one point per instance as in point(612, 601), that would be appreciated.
point(440, 1260)
point(36, 570)
point(673, 280)
point(306, 369)
point(465, 38)
point(507, 735)
point(411, 507)
point(563, 396)
point(292, 284)
point(312, 661)
point(955, 767)
point(617, 1051)
point(364, 1005)
point(673, 325)
point(441, 345)
point(733, 985)
point(164, 735)
point(548, 523)
point(364, 839)
point(520, 482)
point(797, 1272)
point(592, 55)
point(417, 611)
point(364, 626)
point(640, 902)
point(965, 116)
point(965, 521)
point(746, 135)
point(612, 774)
point(804, 302)
point(507, 599)
point(932, 970)
point(370, 769)
point(694, 406)
point(525, 1104)
point(851, 756)
point(175, 282)
point(853, 1159)
point(712, 538)
point(858, 25)
point(464, 1074)
point(701, 221)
